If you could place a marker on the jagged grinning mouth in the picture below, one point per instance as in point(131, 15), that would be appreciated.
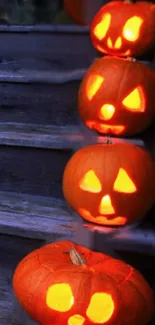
point(126, 53)
point(103, 220)
point(105, 128)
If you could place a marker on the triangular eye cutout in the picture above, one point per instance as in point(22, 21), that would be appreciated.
point(124, 183)
point(93, 85)
point(102, 27)
point(90, 182)
point(135, 101)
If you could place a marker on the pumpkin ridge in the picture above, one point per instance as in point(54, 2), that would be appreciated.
point(101, 261)
point(32, 294)
point(126, 69)
point(127, 277)
point(144, 299)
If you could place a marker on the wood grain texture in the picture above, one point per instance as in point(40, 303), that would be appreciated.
point(39, 103)
point(51, 136)
point(40, 72)
point(35, 217)
point(33, 170)
point(72, 46)
point(32, 160)
point(43, 217)
point(138, 237)
point(40, 136)
point(13, 249)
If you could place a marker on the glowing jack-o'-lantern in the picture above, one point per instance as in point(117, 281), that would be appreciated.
point(108, 184)
point(117, 97)
point(62, 283)
point(81, 11)
point(124, 28)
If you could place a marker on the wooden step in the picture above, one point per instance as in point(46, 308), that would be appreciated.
point(35, 171)
point(39, 81)
point(40, 97)
point(39, 103)
point(56, 137)
point(41, 136)
point(40, 46)
point(13, 249)
point(45, 218)
point(138, 237)
point(33, 157)
point(40, 72)
point(35, 217)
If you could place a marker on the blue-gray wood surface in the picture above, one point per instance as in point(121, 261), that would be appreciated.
point(40, 73)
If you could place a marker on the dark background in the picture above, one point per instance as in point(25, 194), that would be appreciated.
point(27, 12)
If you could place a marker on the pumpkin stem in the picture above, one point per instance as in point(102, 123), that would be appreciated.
point(108, 141)
point(128, 1)
point(76, 257)
point(129, 58)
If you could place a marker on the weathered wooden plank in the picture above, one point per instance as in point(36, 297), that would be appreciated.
point(72, 46)
point(41, 77)
point(40, 136)
point(39, 103)
point(13, 249)
point(45, 218)
point(32, 160)
point(35, 216)
point(33, 170)
point(28, 57)
point(51, 136)
point(124, 239)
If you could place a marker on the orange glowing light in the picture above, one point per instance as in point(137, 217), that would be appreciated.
point(76, 320)
point(105, 128)
point(101, 308)
point(131, 29)
point(93, 85)
point(59, 297)
point(103, 50)
point(101, 29)
point(123, 183)
point(105, 206)
point(100, 49)
point(106, 112)
point(118, 43)
point(102, 220)
point(109, 43)
point(90, 182)
point(135, 101)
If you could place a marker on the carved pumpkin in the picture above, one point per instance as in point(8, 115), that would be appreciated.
point(116, 96)
point(110, 184)
point(124, 28)
point(62, 283)
point(82, 11)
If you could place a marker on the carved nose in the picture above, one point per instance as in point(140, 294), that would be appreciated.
point(106, 112)
point(105, 206)
point(76, 320)
point(117, 45)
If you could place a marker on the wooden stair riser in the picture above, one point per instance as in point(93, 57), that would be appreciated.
point(33, 171)
point(54, 104)
point(38, 47)
point(34, 164)
point(14, 249)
